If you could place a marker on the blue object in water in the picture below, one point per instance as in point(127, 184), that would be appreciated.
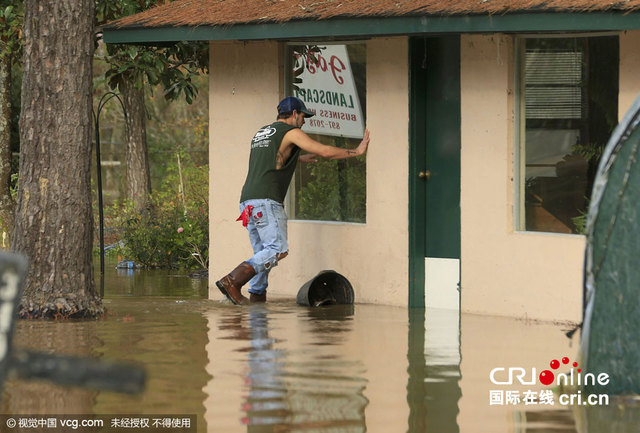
point(126, 264)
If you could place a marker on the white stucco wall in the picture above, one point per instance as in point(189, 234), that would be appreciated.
point(504, 272)
point(243, 94)
point(245, 87)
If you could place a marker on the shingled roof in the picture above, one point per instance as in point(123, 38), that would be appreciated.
point(193, 13)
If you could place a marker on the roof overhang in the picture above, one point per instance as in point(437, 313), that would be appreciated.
point(348, 28)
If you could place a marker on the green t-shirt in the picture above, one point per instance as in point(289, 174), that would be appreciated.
point(263, 179)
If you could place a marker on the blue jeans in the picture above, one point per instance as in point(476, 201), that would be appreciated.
point(268, 235)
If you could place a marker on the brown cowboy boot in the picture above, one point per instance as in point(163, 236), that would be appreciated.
point(254, 298)
point(231, 284)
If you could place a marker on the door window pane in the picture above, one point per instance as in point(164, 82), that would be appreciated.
point(331, 80)
point(569, 108)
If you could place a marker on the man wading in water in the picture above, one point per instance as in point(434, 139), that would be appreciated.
point(275, 150)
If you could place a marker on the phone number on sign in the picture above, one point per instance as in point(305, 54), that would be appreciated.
point(318, 123)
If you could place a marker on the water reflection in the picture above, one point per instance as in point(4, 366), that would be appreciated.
point(283, 368)
point(621, 416)
point(149, 282)
point(287, 388)
point(166, 336)
point(36, 397)
point(266, 403)
point(434, 370)
point(337, 368)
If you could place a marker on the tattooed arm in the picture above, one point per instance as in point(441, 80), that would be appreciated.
point(299, 138)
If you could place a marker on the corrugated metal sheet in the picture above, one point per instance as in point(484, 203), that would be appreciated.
point(232, 12)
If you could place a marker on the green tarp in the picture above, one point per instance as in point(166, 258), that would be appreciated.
point(610, 342)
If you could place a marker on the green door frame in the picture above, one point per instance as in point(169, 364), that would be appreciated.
point(417, 188)
point(443, 111)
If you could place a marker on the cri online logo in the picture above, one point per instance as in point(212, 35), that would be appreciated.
point(507, 376)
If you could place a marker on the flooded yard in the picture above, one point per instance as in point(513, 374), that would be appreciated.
point(283, 368)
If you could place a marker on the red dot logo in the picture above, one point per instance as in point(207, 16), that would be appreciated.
point(546, 377)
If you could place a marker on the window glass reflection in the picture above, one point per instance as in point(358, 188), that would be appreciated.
point(569, 108)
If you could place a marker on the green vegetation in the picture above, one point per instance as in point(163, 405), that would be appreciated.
point(335, 190)
point(580, 222)
point(11, 21)
point(174, 230)
point(176, 67)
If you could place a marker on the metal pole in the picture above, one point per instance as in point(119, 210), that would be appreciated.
point(100, 205)
point(101, 105)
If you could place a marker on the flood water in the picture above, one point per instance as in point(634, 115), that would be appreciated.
point(280, 367)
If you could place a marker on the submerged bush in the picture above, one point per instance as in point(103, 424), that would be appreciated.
point(174, 230)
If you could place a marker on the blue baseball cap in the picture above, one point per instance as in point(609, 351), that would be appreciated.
point(290, 103)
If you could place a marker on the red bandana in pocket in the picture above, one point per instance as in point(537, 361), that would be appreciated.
point(245, 215)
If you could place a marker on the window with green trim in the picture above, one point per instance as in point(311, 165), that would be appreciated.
point(331, 80)
point(568, 108)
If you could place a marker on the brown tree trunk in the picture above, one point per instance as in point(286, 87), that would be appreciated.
point(54, 222)
point(7, 204)
point(138, 180)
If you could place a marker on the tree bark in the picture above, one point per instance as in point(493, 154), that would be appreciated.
point(54, 221)
point(138, 179)
point(7, 204)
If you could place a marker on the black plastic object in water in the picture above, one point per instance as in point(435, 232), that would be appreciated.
point(326, 288)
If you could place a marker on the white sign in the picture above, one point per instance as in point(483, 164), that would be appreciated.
point(327, 88)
